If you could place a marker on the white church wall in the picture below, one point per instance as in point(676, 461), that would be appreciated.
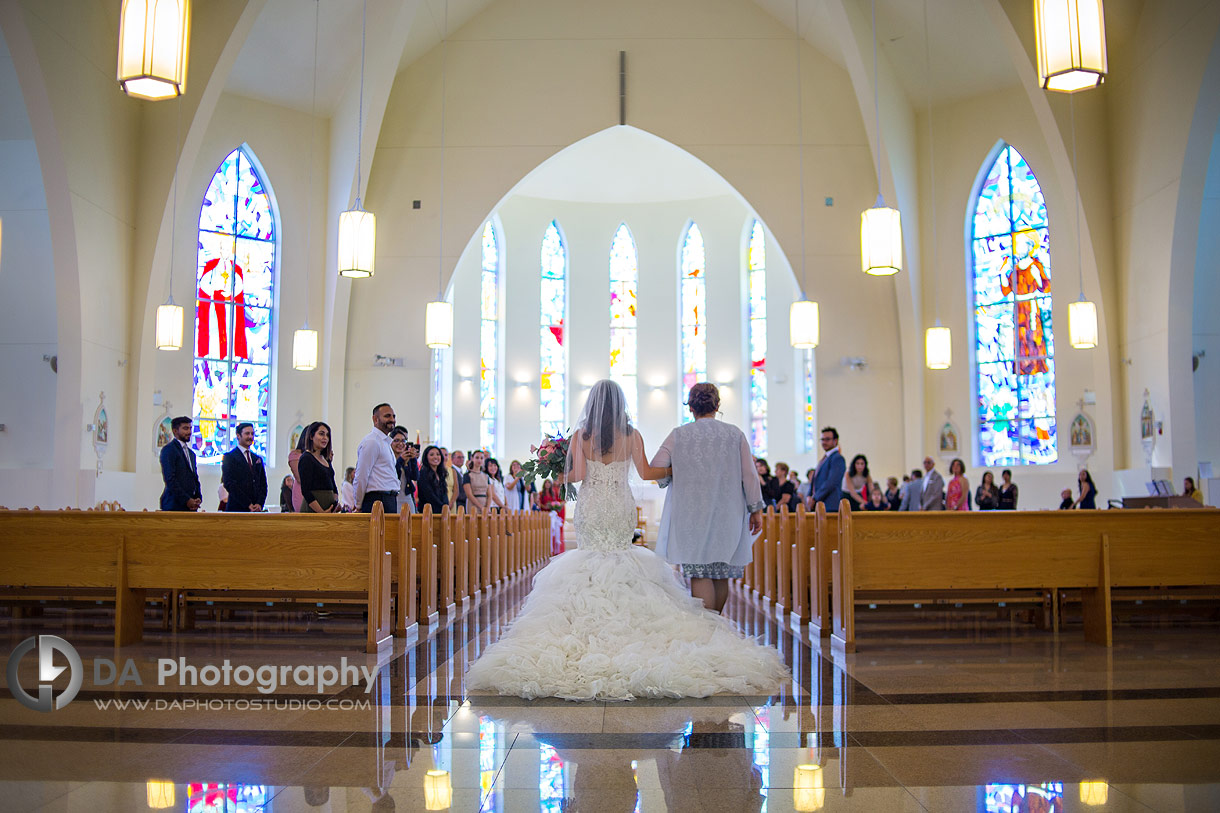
point(1206, 330)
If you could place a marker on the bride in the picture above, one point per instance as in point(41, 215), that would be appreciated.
point(610, 620)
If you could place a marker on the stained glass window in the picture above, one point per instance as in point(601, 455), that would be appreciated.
point(550, 780)
point(809, 426)
point(552, 402)
point(1014, 336)
point(756, 261)
point(489, 339)
point(624, 277)
point(489, 763)
point(223, 797)
point(437, 370)
point(233, 309)
point(693, 300)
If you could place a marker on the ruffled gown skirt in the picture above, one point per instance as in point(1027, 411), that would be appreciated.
point(617, 625)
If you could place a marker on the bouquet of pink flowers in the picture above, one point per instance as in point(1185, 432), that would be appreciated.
point(550, 459)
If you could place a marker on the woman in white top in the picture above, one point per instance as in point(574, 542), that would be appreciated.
point(714, 506)
point(495, 484)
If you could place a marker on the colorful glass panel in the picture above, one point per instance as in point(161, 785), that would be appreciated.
point(1014, 334)
point(756, 261)
point(234, 320)
point(489, 344)
point(624, 277)
point(808, 419)
point(214, 797)
point(550, 780)
point(437, 368)
point(552, 400)
point(693, 300)
point(489, 763)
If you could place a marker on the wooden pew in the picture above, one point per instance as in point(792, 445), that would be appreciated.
point(443, 530)
point(423, 542)
point(802, 548)
point(406, 572)
point(825, 540)
point(133, 553)
point(937, 553)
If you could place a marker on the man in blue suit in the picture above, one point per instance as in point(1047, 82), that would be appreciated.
point(243, 475)
point(828, 477)
point(182, 492)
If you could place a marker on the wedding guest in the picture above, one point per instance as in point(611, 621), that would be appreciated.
point(1008, 492)
point(495, 481)
point(456, 461)
point(1088, 492)
point(857, 483)
point(912, 492)
point(549, 500)
point(893, 495)
point(1065, 500)
point(286, 493)
point(519, 494)
point(454, 480)
point(1189, 490)
point(178, 469)
point(406, 466)
point(293, 457)
point(805, 490)
point(376, 480)
point(876, 501)
point(475, 484)
point(987, 498)
point(787, 488)
point(242, 474)
point(317, 474)
point(932, 498)
point(959, 487)
point(767, 482)
point(433, 477)
point(347, 489)
point(828, 476)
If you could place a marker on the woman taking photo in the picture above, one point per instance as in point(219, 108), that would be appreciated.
point(987, 498)
point(433, 481)
point(320, 495)
point(495, 484)
point(519, 495)
point(857, 484)
point(959, 487)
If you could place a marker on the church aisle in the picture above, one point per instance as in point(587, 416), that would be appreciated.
point(951, 715)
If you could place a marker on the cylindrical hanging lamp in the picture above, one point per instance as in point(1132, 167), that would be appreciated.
point(305, 349)
point(1071, 41)
point(154, 46)
point(803, 327)
point(808, 788)
point(358, 228)
point(1094, 794)
point(881, 240)
point(938, 347)
point(169, 325)
point(159, 794)
point(1082, 324)
point(438, 790)
point(438, 325)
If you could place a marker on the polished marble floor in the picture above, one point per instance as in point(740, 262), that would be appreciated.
point(938, 712)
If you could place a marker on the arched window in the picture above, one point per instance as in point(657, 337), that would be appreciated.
point(624, 277)
point(756, 262)
point(235, 299)
point(552, 402)
point(693, 300)
point(489, 339)
point(1014, 353)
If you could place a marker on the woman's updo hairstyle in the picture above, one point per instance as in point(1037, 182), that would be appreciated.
point(703, 399)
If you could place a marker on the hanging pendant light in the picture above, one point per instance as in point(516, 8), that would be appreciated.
point(169, 315)
point(438, 790)
point(304, 340)
point(1082, 314)
point(358, 228)
point(808, 788)
point(159, 794)
point(438, 318)
point(1071, 42)
point(1094, 794)
point(938, 340)
point(803, 326)
point(938, 347)
point(880, 226)
point(154, 45)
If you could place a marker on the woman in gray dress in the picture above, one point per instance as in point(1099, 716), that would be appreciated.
point(714, 506)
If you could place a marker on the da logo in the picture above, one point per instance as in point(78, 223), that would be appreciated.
point(47, 645)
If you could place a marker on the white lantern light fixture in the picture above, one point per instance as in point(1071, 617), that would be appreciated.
point(358, 228)
point(1071, 43)
point(159, 794)
point(154, 46)
point(880, 226)
point(1094, 794)
point(808, 788)
point(438, 318)
point(438, 790)
point(938, 347)
point(438, 325)
point(1082, 314)
point(803, 315)
point(304, 340)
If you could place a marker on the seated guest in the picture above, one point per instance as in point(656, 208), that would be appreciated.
point(1065, 500)
point(957, 496)
point(286, 493)
point(787, 488)
point(1189, 490)
point(893, 495)
point(1008, 492)
point(433, 481)
point(317, 475)
point(857, 483)
point(987, 498)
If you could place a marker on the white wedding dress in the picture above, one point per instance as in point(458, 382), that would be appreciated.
point(612, 621)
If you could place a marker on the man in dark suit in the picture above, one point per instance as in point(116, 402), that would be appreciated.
point(243, 475)
point(182, 492)
point(828, 477)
